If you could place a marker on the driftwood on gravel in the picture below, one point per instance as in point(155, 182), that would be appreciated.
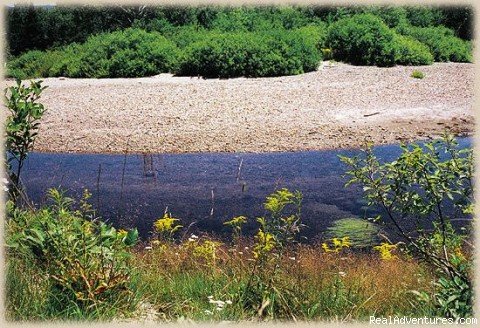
point(367, 115)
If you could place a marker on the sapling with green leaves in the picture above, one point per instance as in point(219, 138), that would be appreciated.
point(22, 125)
point(419, 189)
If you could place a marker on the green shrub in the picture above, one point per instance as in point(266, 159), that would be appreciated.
point(415, 191)
point(409, 51)
point(423, 16)
point(315, 33)
point(184, 36)
point(306, 43)
point(255, 19)
point(83, 262)
point(242, 20)
point(32, 64)
point(454, 297)
point(251, 55)
point(363, 39)
point(70, 64)
point(128, 53)
point(159, 24)
point(417, 74)
point(442, 42)
point(21, 127)
point(392, 15)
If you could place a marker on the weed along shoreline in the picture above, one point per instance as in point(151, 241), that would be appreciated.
point(332, 108)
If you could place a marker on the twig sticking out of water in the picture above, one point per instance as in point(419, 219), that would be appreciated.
point(239, 170)
point(213, 203)
point(148, 169)
point(98, 185)
point(122, 207)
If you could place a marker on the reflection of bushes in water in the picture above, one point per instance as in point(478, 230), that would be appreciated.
point(362, 233)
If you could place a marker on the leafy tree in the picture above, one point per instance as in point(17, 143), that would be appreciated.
point(22, 125)
point(460, 19)
point(416, 192)
point(424, 16)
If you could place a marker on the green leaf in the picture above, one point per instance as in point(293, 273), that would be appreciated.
point(131, 237)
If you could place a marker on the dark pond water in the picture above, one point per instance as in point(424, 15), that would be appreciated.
point(205, 188)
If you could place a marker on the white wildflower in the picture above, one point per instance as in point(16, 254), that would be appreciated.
point(218, 303)
point(208, 312)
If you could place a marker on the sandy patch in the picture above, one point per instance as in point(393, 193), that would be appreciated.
point(334, 107)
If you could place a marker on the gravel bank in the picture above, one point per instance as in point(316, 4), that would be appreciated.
point(334, 107)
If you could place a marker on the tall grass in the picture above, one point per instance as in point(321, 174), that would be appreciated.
point(204, 279)
point(316, 285)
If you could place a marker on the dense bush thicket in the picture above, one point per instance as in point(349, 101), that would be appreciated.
point(441, 41)
point(135, 52)
point(127, 53)
point(363, 39)
point(251, 54)
point(228, 41)
point(409, 51)
point(44, 27)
